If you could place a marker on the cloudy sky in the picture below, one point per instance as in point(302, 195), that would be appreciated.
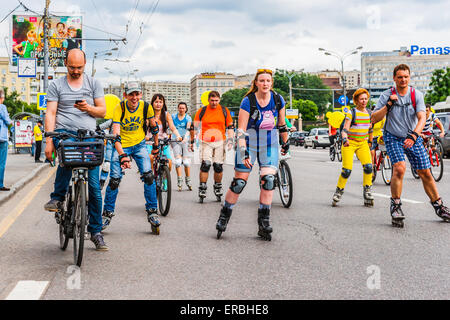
point(184, 37)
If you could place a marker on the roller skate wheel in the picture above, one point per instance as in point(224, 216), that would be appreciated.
point(334, 204)
point(201, 199)
point(219, 233)
point(265, 236)
point(397, 223)
point(219, 199)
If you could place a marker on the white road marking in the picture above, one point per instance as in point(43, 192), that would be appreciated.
point(28, 290)
point(403, 200)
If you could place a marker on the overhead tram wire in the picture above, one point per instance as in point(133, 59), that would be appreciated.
point(150, 13)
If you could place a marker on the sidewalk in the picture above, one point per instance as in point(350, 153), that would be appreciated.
point(20, 169)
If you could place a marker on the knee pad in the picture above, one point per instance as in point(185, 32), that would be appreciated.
point(148, 177)
point(237, 185)
point(267, 182)
point(205, 166)
point(187, 162)
point(218, 167)
point(178, 162)
point(368, 168)
point(346, 173)
point(106, 166)
point(114, 183)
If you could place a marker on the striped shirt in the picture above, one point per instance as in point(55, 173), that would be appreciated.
point(428, 128)
point(360, 129)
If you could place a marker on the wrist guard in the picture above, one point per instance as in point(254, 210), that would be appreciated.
point(412, 135)
point(123, 155)
point(344, 140)
point(345, 130)
point(231, 127)
point(241, 134)
point(243, 152)
point(285, 147)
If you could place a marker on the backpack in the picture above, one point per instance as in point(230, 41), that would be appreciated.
point(224, 111)
point(353, 112)
point(146, 105)
point(254, 112)
point(413, 96)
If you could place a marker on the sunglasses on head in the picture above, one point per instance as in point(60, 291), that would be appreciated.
point(264, 71)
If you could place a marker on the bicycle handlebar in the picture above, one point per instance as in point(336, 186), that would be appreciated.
point(81, 135)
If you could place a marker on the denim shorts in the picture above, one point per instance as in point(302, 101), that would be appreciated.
point(267, 158)
point(417, 154)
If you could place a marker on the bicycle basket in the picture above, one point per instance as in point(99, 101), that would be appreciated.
point(80, 153)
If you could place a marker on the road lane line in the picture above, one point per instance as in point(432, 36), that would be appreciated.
point(28, 290)
point(403, 200)
point(7, 222)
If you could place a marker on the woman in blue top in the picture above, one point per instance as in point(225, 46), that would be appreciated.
point(182, 122)
point(261, 116)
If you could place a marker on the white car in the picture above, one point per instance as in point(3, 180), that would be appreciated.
point(318, 137)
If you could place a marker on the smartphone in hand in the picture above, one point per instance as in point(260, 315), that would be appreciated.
point(78, 101)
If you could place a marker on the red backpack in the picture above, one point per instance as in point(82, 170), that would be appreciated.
point(413, 95)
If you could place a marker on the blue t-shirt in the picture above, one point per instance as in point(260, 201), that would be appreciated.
point(181, 125)
point(262, 129)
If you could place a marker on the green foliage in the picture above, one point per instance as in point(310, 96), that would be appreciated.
point(307, 108)
point(312, 126)
point(440, 84)
point(303, 80)
point(14, 104)
point(233, 98)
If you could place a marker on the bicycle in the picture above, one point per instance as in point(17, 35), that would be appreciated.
point(284, 183)
point(163, 181)
point(335, 149)
point(80, 156)
point(437, 165)
point(382, 161)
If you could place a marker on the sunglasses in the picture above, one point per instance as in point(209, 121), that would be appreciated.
point(264, 71)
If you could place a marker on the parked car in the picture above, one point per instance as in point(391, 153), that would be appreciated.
point(297, 138)
point(444, 117)
point(318, 137)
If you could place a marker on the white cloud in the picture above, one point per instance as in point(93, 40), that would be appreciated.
point(186, 37)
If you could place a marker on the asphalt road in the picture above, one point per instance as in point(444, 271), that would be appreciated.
point(317, 252)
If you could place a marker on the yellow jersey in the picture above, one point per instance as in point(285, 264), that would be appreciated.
point(37, 133)
point(377, 128)
point(131, 126)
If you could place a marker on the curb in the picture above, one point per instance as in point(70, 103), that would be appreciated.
point(22, 183)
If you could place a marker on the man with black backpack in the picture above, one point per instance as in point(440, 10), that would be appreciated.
point(404, 108)
point(213, 120)
point(130, 122)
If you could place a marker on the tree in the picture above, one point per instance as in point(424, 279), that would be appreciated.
point(232, 99)
point(440, 84)
point(14, 104)
point(307, 108)
point(303, 80)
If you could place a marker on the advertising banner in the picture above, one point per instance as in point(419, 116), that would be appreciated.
point(27, 33)
point(23, 133)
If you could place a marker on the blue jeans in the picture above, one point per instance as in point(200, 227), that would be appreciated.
point(3, 154)
point(140, 155)
point(108, 158)
point(62, 180)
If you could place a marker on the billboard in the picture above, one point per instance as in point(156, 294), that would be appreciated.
point(27, 33)
point(23, 133)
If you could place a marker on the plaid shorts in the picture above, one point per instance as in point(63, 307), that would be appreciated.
point(417, 154)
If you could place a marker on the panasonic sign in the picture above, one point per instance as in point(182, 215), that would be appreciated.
point(417, 50)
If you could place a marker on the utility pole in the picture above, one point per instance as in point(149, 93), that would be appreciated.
point(46, 56)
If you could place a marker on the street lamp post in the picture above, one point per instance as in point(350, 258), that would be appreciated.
point(341, 59)
point(105, 53)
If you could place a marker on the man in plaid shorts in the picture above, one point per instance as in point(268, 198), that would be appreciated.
point(404, 108)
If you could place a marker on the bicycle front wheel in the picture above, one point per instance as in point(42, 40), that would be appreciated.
point(386, 170)
point(79, 222)
point(437, 166)
point(164, 191)
point(332, 153)
point(285, 185)
point(64, 221)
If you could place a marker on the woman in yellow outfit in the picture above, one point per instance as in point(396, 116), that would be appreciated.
point(356, 137)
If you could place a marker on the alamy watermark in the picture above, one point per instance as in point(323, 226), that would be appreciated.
point(374, 280)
